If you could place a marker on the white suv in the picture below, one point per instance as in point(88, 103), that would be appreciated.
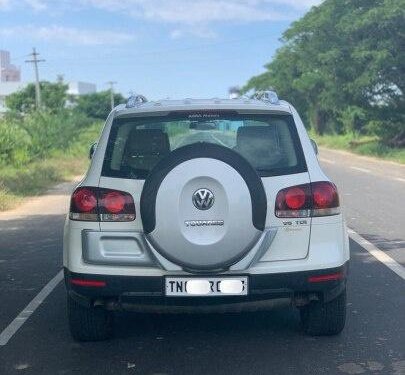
point(205, 205)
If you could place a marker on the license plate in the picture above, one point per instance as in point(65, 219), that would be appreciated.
point(206, 286)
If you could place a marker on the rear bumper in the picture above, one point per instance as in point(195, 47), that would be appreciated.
point(119, 292)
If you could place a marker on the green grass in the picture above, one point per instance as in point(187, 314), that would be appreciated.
point(16, 183)
point(362, 145)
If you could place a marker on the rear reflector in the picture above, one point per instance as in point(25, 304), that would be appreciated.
point(88, 283)
point(324, 278)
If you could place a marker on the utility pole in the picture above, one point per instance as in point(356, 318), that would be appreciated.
point(111, 83)
point(35, 61)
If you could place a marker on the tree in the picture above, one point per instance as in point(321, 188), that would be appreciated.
point(97, 105)
point(343, 66)
point(53, 97)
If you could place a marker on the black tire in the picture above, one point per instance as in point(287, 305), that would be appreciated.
point(89, 323)
point(324, 319)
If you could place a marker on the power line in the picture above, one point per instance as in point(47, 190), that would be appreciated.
point(35, 62)
point(111, 83)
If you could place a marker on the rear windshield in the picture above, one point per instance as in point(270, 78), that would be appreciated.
point(269, 142)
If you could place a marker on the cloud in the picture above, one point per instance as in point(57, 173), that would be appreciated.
point(196, 17)
point(5, 5)
point(36, 5)
point(295, 4)
point(188, 12)
point(68, 35)
point(199, 32)
point(187, 17)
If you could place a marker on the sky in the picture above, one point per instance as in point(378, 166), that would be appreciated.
point(158, 48)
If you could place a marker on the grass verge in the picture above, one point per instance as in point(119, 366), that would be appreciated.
point(37, 177)
point(369, 146)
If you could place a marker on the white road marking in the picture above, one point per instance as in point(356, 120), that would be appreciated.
point(378, 254)
point(327, 161)
point(361, 169)
point(22, 317)
point(400, 179)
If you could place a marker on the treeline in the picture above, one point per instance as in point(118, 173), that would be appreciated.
point(27, 134)
point(343, 66)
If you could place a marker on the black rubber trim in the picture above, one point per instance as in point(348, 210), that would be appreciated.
point(203, 150)
point(150, 289)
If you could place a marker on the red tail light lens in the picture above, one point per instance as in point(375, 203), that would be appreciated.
point(315, 199)
point(114, 202)
point(294, 201)
point(116, 206)
point(326, 199)
point(83, 205)
point(295, 198)
point(85, 200)
point(95, 204)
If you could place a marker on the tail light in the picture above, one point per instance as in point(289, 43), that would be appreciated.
point(97, 204)
point(308, 200)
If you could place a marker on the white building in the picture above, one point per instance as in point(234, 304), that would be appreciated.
point(8, 88)
point(81, 88)
point(8, 72)
point(74, 88)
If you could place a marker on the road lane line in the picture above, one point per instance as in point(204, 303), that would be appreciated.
point(22, 317)
point(361, 169)
point(378, 254)
point(400, 179)
point(327, 161)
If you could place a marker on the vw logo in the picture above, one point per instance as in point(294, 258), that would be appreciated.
point(203, 199)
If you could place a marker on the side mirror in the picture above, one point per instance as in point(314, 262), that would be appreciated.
point(315, 146)
point(92, 150)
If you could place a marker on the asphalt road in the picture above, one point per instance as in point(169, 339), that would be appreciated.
point(373, 197)
point(373, 341)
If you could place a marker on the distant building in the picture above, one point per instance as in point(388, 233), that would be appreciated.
point(8, 72)
point(6, 89)
point(81, 88)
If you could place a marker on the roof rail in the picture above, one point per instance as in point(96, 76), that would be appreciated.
point(267, 96)
point(135, 100)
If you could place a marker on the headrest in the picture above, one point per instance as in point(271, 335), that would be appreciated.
point(148, 142)
point(259, 145)
point(256, 135)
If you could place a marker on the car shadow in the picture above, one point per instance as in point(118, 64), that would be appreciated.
point(163, 325)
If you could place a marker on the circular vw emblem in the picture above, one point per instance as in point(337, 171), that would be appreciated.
point(203, 199)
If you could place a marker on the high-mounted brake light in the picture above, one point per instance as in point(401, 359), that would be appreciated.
point(308, 200)
point(97, 204)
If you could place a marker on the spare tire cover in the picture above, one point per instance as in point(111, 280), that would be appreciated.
point(203, 207)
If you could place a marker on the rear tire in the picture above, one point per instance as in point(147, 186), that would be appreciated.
point(89, 323)
point(324, 319)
